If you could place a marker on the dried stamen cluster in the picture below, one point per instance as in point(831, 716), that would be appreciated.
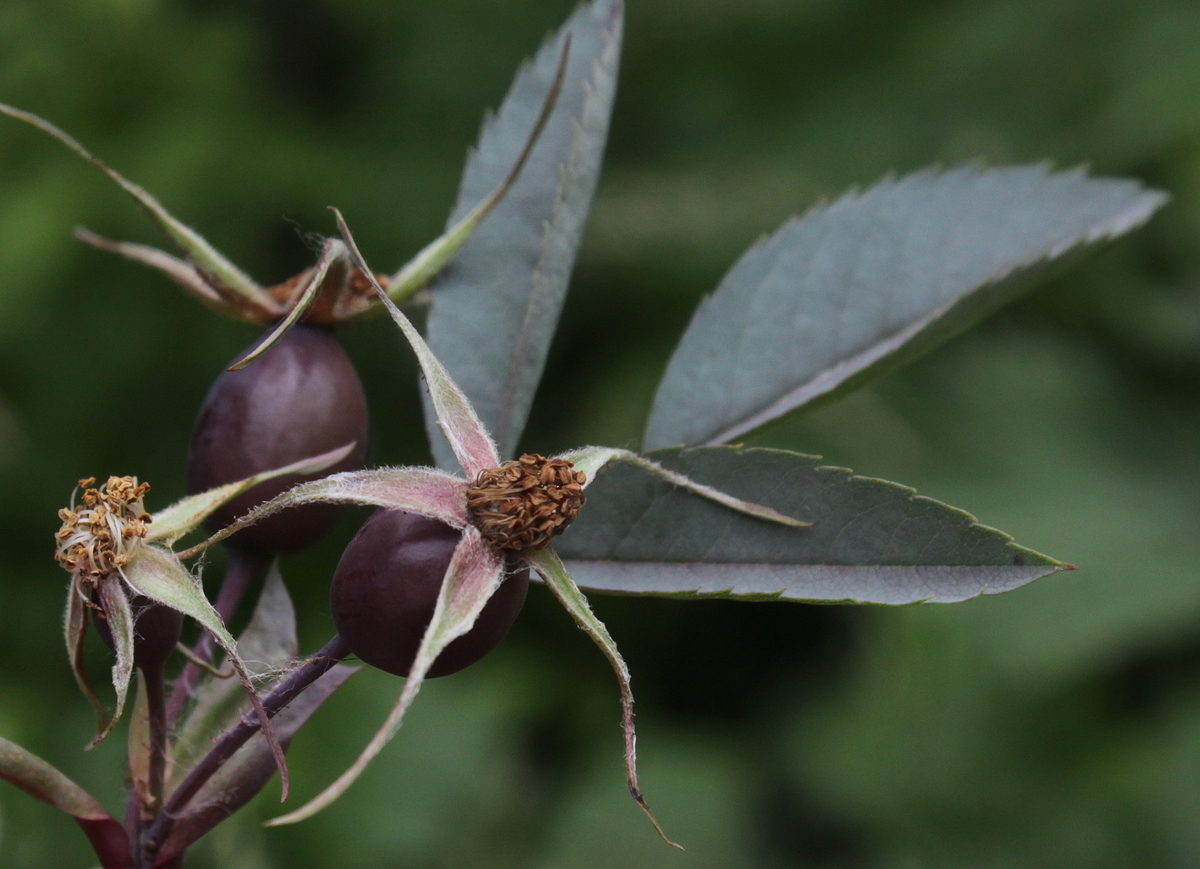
point(101, 533)
point(523, 504)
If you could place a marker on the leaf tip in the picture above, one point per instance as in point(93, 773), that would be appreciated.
point(641, 801)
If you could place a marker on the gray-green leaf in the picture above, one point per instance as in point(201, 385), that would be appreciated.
point(871, 541)
point(866, 283)
point(496, 306)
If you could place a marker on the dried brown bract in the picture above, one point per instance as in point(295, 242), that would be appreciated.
point(523, 504)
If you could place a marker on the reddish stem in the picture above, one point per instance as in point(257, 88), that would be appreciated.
point(234, 738)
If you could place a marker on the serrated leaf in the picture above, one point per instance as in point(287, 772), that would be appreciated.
point(870, 541)
point(248, 771)
point(267, 645)
point(496, 306)
point(41, 780)
point(868, 282)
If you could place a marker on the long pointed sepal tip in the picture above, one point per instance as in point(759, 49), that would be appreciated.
point(641, 801)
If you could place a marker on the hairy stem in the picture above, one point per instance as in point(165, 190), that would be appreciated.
point(243, 567)
point(280, 696)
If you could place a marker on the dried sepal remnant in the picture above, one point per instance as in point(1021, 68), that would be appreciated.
point(523, 504)
point(343, 293)
point(104, 530)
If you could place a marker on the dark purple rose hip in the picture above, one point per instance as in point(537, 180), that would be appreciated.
point(302, 398)
point(156, 630)
point(386, 586)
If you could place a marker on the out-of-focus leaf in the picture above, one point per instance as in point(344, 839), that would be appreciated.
point(173, 522)
point(495, 307)
point(866, 283)
point(41, 780)
point(870, 541)
point(267, 645)
point(138, 743)
point(248, 771)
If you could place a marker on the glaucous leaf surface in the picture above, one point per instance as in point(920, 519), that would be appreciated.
point(870, 541)
point(496, 306)
point(41, 780)
point(871, 280)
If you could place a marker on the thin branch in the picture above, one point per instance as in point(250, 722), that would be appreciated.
point(280, 696)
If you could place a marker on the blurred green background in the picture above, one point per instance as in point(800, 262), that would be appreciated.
point(1057, 726)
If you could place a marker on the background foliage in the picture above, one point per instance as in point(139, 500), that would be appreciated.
point(1057, 726)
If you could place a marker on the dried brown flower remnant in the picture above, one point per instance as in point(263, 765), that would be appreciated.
point(523, 504)
point(102, 532)
point(344, 292)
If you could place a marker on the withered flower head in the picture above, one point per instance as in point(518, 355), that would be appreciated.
point(524, 503)
point(101, 533)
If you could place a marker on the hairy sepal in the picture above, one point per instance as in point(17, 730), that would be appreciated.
point(208, 262)
point(75, 627)
point(160, 576)
point(555, 575)
point(119, 616)
point(268, 646)
point(590, 460)
point(426, 491)
point(180, 271)
point(472, 445)
point(185, 515)
point(472, 578)
point(332, 251)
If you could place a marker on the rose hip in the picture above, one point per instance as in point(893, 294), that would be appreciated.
point(386, 585)
point(156, 630)
point(301, 398)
